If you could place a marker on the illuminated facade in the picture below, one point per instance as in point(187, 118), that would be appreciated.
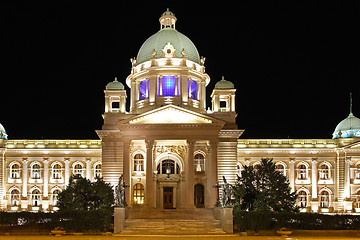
point(171, 149)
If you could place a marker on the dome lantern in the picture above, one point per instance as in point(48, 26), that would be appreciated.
point(167, 20)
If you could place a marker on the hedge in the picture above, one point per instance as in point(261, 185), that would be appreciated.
point(77, 221)
point(264, 220)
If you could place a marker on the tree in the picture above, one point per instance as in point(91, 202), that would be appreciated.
point(84, 205)
point(81, 194)
point(264, 188)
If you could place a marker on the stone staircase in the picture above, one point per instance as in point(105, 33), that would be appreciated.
point(145, 221)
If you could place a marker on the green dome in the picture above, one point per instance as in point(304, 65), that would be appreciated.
point(158, 41)
point(224, 84)
point(3, 134)
point(115, 85)
point(347, 128)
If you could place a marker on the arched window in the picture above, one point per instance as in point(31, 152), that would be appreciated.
point(302, 172)
point(35, 197)
point(324, 171)
point(324, 199)
point(15, 197)
point(302, 199)
point(55, 195)
point(15, 171)
point(199, 162)
point(139, 162)
point(56, 171)
point(138, 194)
point(168, 166)
point(78, 170)
point(35, 171)
point(97, 170)
point(280, 168)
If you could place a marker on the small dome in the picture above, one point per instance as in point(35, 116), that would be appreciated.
point(224, 84)
point(348, 128)
point(3, 134)
point(115, 85)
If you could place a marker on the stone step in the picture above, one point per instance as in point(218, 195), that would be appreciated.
point(145, 221)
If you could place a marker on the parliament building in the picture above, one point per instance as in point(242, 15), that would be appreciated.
point(171, 148)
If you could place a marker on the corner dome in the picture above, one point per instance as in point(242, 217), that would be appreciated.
point(3, 134)
point(348, 128)
point(167, 34)
point(224, 84)
point(115, 85)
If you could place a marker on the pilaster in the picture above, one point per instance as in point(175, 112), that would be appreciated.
point(24, 177)
point(67, 171)
point(46, 177)
point(314, 178)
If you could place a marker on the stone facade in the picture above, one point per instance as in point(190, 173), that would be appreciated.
point(170, 148)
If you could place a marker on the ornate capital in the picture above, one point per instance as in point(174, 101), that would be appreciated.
point(149, 143)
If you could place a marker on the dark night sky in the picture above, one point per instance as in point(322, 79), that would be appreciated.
point(293, 64)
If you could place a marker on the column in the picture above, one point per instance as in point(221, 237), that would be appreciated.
point(203, 96)
point(46, 177)
point(88, 168)
point(152, 89)
point(149, 190)
point(126, 170)
point(67, 171)
point(190, 173)
point(232, 103)
point(184, 89)
point(314, 178)
point(24, 176)
point(132, 97)
point(212, 174)
point(292, 174)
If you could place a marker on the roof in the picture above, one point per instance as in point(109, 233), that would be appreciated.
point(348, 128)
point(3, 134)
point(115, 85)
point(224, 84)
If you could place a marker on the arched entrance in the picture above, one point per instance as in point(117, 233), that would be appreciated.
point(199, 195)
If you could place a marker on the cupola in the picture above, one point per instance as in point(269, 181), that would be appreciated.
point(115, 97)
point(167, 20)
point(349, 127)
point(3, 134)
point(223, 96)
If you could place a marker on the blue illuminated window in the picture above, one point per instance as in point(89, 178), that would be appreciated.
point(168, 86)
point(193, 89)
point(142, 87)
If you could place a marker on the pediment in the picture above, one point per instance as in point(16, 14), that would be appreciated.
point(171, 114)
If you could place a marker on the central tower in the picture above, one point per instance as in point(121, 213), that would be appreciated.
point(167, 70)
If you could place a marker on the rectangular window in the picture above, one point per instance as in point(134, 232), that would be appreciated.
point(142, 87)
point(115, 105)
point(193, 89)
point(168, 86)
point(223, 104)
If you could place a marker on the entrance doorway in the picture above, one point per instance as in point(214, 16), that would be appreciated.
point(199, 195)
point(168, 197)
